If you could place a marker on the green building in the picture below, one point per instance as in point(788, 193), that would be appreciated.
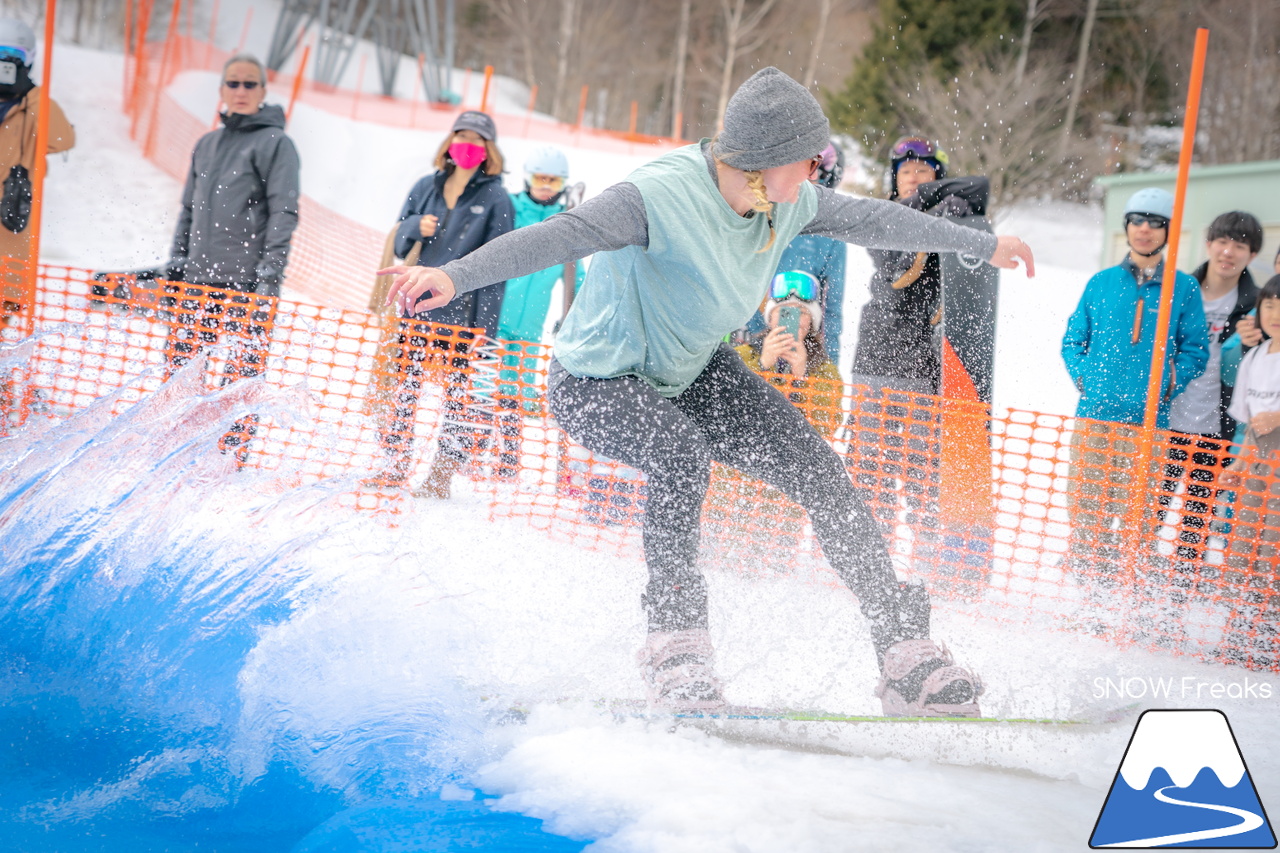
point(1211, 190)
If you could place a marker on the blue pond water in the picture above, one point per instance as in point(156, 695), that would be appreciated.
point(141, 582)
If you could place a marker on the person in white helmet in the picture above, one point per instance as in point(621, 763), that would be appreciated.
point(1107, 350)
point(19, 102)
point(528, 298)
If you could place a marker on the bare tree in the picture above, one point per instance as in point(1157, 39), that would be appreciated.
point(1077, 77)
point(1240, 103)
point(993, 127)
point(738, 24)
point(824, 15)
point(568, 14)
point(524, 20)
point(677, 86)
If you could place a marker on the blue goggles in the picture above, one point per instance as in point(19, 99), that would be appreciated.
point(13, 53)
point(796, 284)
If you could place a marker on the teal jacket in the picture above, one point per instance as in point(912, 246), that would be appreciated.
point(528, 298)
point(1109, 369)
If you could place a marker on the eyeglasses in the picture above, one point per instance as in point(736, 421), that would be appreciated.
point(9, 52)
point(794, 283)
point(236, 84)
point(553, 182)
point(1149, 219)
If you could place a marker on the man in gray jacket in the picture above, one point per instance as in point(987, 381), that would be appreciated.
point(239, 211)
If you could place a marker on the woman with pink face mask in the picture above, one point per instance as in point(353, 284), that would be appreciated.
point(448, 214)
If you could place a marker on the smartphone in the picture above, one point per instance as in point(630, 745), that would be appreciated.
point(789, 319)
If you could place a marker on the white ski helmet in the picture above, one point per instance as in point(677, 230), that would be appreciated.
point(1152, 201)
point(547, 160)
point(15, 33)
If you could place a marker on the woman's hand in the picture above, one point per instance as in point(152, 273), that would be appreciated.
point(1265, 423)
point(412, 283)
point(1010, 250)
point(427, 225)
point(780, 345)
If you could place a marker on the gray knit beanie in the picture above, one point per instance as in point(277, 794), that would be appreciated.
point(771, 121)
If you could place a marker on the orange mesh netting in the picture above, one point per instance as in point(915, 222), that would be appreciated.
point(1084, 526)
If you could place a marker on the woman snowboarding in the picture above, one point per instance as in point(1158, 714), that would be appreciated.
point(686, 248)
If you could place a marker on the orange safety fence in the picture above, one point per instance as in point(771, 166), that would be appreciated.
point(1092, 527)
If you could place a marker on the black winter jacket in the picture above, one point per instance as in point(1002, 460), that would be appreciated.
point(483, 212)
point(240, 204)
point(1246, 301)
point(896, 330)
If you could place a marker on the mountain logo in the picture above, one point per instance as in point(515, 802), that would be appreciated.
point(1183, 783)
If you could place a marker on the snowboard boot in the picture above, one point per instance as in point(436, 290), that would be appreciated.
point(920, 679)
point(678, 672)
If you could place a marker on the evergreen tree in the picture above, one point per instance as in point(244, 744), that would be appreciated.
point(925, 35)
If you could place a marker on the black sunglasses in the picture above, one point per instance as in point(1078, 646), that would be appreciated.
point(236, 84)
point(1150, 219)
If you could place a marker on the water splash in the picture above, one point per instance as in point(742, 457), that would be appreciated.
point(180, 659)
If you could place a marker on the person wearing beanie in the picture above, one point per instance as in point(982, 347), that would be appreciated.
point(685, 250)
point(19, 103)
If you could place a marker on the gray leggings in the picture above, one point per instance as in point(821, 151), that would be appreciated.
point(732, 416)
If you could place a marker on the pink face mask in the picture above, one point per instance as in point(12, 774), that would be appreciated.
point(467, 155)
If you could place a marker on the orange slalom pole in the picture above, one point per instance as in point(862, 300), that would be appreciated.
point(128, 35)
point(484, 93)
point(1135, 534)
point(40, 167)
point(297, 82)
point(1155, 387)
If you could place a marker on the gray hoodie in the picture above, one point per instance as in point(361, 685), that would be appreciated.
point(240, 204)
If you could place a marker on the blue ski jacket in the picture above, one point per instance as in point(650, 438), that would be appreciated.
point(528, 298)
point(1109, 339)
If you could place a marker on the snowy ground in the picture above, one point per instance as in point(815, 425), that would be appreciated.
point(532, 621)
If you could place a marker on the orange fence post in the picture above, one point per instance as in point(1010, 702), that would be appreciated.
point(139, 67)
point(679, 127)
point(213, 34)
point(355, 99)
point(1155, 383)
point(533, 102)
point(244, 31)
point(28, 318)
point(582, 108)
point(170, 44)
point(297, 81)
point(413, 100)
point(128, 33)
point(631, 131)
point(484, 93)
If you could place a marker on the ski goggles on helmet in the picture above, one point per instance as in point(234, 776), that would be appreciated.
point(554, 182)
point(1151, 219)
point(794, 284)
point(919, 148)
point(10, 52)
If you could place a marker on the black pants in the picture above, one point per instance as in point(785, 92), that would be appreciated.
point(201, 317)
point(1195, 460)
point(732, 416)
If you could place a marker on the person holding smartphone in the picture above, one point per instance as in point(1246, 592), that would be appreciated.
point(685, 250)
point(792, 353)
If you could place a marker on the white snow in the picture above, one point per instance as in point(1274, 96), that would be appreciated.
point(536, 621)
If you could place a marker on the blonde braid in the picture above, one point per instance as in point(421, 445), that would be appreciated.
point(755, 183)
